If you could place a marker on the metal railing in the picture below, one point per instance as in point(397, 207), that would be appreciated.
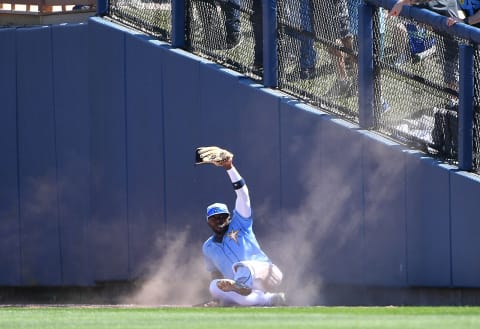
point(403, 99)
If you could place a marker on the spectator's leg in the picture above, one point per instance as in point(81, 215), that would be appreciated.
point(256, 20)
point(231, 9)
point(346, 36)
point(307, 51)
point(205, 9)
point(450, 71)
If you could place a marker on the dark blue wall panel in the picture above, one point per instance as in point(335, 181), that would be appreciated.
point(428, 221)
point(337, 199)
point(182, 118)
point(9, 218)
point(383, 166)
point(299, 128)
point(321, 195)
point(465, 221)
point(109, 228)
point(255, 137)
point(72, 126)
point(221, 107)
point(40, 236)
point(294, 245)
point(145, 148)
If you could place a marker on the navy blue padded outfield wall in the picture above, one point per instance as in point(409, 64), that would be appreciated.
point(97, 137)
point(45, 167)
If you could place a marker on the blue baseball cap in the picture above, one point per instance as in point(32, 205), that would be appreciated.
point(217, 208)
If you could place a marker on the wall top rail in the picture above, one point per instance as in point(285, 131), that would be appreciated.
point(433, 19)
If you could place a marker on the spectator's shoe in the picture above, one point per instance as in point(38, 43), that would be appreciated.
point(308, 73)
point(233, 40)
point(278, 299)
point(400, 60)
point(326, 68)
point(452, 104)
point(301, 74)
point(385, 105)
point(257, 69)
point(340, 88)
point(230, 285)
point(424, 54)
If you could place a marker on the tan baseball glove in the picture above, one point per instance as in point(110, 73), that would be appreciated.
point(212, 154)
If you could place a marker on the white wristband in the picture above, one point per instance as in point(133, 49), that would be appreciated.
point(234, 174)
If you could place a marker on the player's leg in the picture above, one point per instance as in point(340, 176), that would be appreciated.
point(228, 293)
point(248, 288)
point(258, 275)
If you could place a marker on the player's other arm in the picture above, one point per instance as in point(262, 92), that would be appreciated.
point(397, 8)
point(242, 203)
point(472, 20)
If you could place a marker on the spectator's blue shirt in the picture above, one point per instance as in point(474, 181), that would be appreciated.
point(239, 243)
point(469, 6)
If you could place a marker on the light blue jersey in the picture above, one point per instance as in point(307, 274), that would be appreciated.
point(238, 244)
point(469, 6)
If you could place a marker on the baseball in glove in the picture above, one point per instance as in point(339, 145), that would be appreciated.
point(212, 154)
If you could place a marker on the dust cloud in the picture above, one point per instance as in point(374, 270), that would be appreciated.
point(313, 234)
point(316, 241)
point(176, 277)
point(179, 277)
point(321, 241)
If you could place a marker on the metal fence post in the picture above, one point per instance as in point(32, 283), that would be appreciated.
point(365, 67)
point(465, 108)
point(270, 60)
point(102, 7)
point(178, 23)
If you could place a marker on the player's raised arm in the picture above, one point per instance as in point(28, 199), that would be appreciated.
point(242, 204)
point(223, 158)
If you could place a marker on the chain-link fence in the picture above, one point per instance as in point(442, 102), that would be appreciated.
point(228, 32)
point(415, 66)
point(153, 17)
point(417, 86)
point(317, 54)
point(476, 114)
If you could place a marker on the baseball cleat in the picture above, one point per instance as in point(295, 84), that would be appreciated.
point(278, 299)
point(230, 285)
point(212, 303)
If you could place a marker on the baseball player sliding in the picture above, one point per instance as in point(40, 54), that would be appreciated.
point(242, 274)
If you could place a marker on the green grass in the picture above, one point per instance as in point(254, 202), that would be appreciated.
point(258, 318)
